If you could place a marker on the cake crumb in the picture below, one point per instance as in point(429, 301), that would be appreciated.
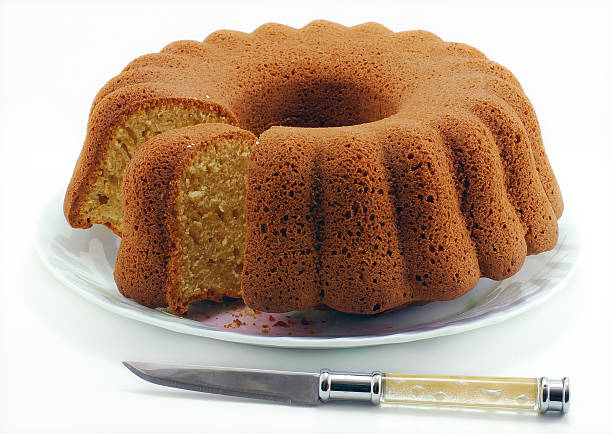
point(280, 324)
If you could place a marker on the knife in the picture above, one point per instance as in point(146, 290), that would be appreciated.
point(540, 395)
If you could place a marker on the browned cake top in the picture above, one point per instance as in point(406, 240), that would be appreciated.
point(323, 75)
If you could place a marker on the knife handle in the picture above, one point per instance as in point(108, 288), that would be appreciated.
point(531, 394)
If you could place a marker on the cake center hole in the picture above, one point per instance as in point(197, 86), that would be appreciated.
point(318, 103)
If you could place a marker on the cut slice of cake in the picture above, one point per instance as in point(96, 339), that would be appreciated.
point(184, 217)
point(120, 122)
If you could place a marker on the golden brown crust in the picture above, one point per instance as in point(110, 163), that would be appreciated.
point(147, 261)
point(426, 172)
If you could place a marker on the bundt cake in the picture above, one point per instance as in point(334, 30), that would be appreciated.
point(390, 168)
point(184, 217)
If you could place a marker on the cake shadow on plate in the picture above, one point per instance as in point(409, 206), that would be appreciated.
point(318, 321)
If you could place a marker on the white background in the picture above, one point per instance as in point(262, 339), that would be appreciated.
point(60, 367)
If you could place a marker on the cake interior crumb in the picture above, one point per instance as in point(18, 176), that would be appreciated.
point(212, 221)
point(104, 203)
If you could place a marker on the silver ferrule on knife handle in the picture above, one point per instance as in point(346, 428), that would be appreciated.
point(350, 386)
point(532, 394)
point(553, 395)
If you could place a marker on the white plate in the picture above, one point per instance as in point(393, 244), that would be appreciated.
point(84, 259)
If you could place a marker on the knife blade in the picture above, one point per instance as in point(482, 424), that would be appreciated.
point(540, 395)
point(287, 387)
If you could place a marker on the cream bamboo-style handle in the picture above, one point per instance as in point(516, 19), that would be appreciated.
point(489, 392)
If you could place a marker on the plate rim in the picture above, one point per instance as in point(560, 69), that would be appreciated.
point(485, 319)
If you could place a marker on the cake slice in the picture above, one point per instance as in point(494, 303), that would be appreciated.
point(184, 217)
point(120, 122)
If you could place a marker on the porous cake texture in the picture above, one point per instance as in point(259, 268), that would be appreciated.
point(115, 131)
point(391, 168)
point(184, 221)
